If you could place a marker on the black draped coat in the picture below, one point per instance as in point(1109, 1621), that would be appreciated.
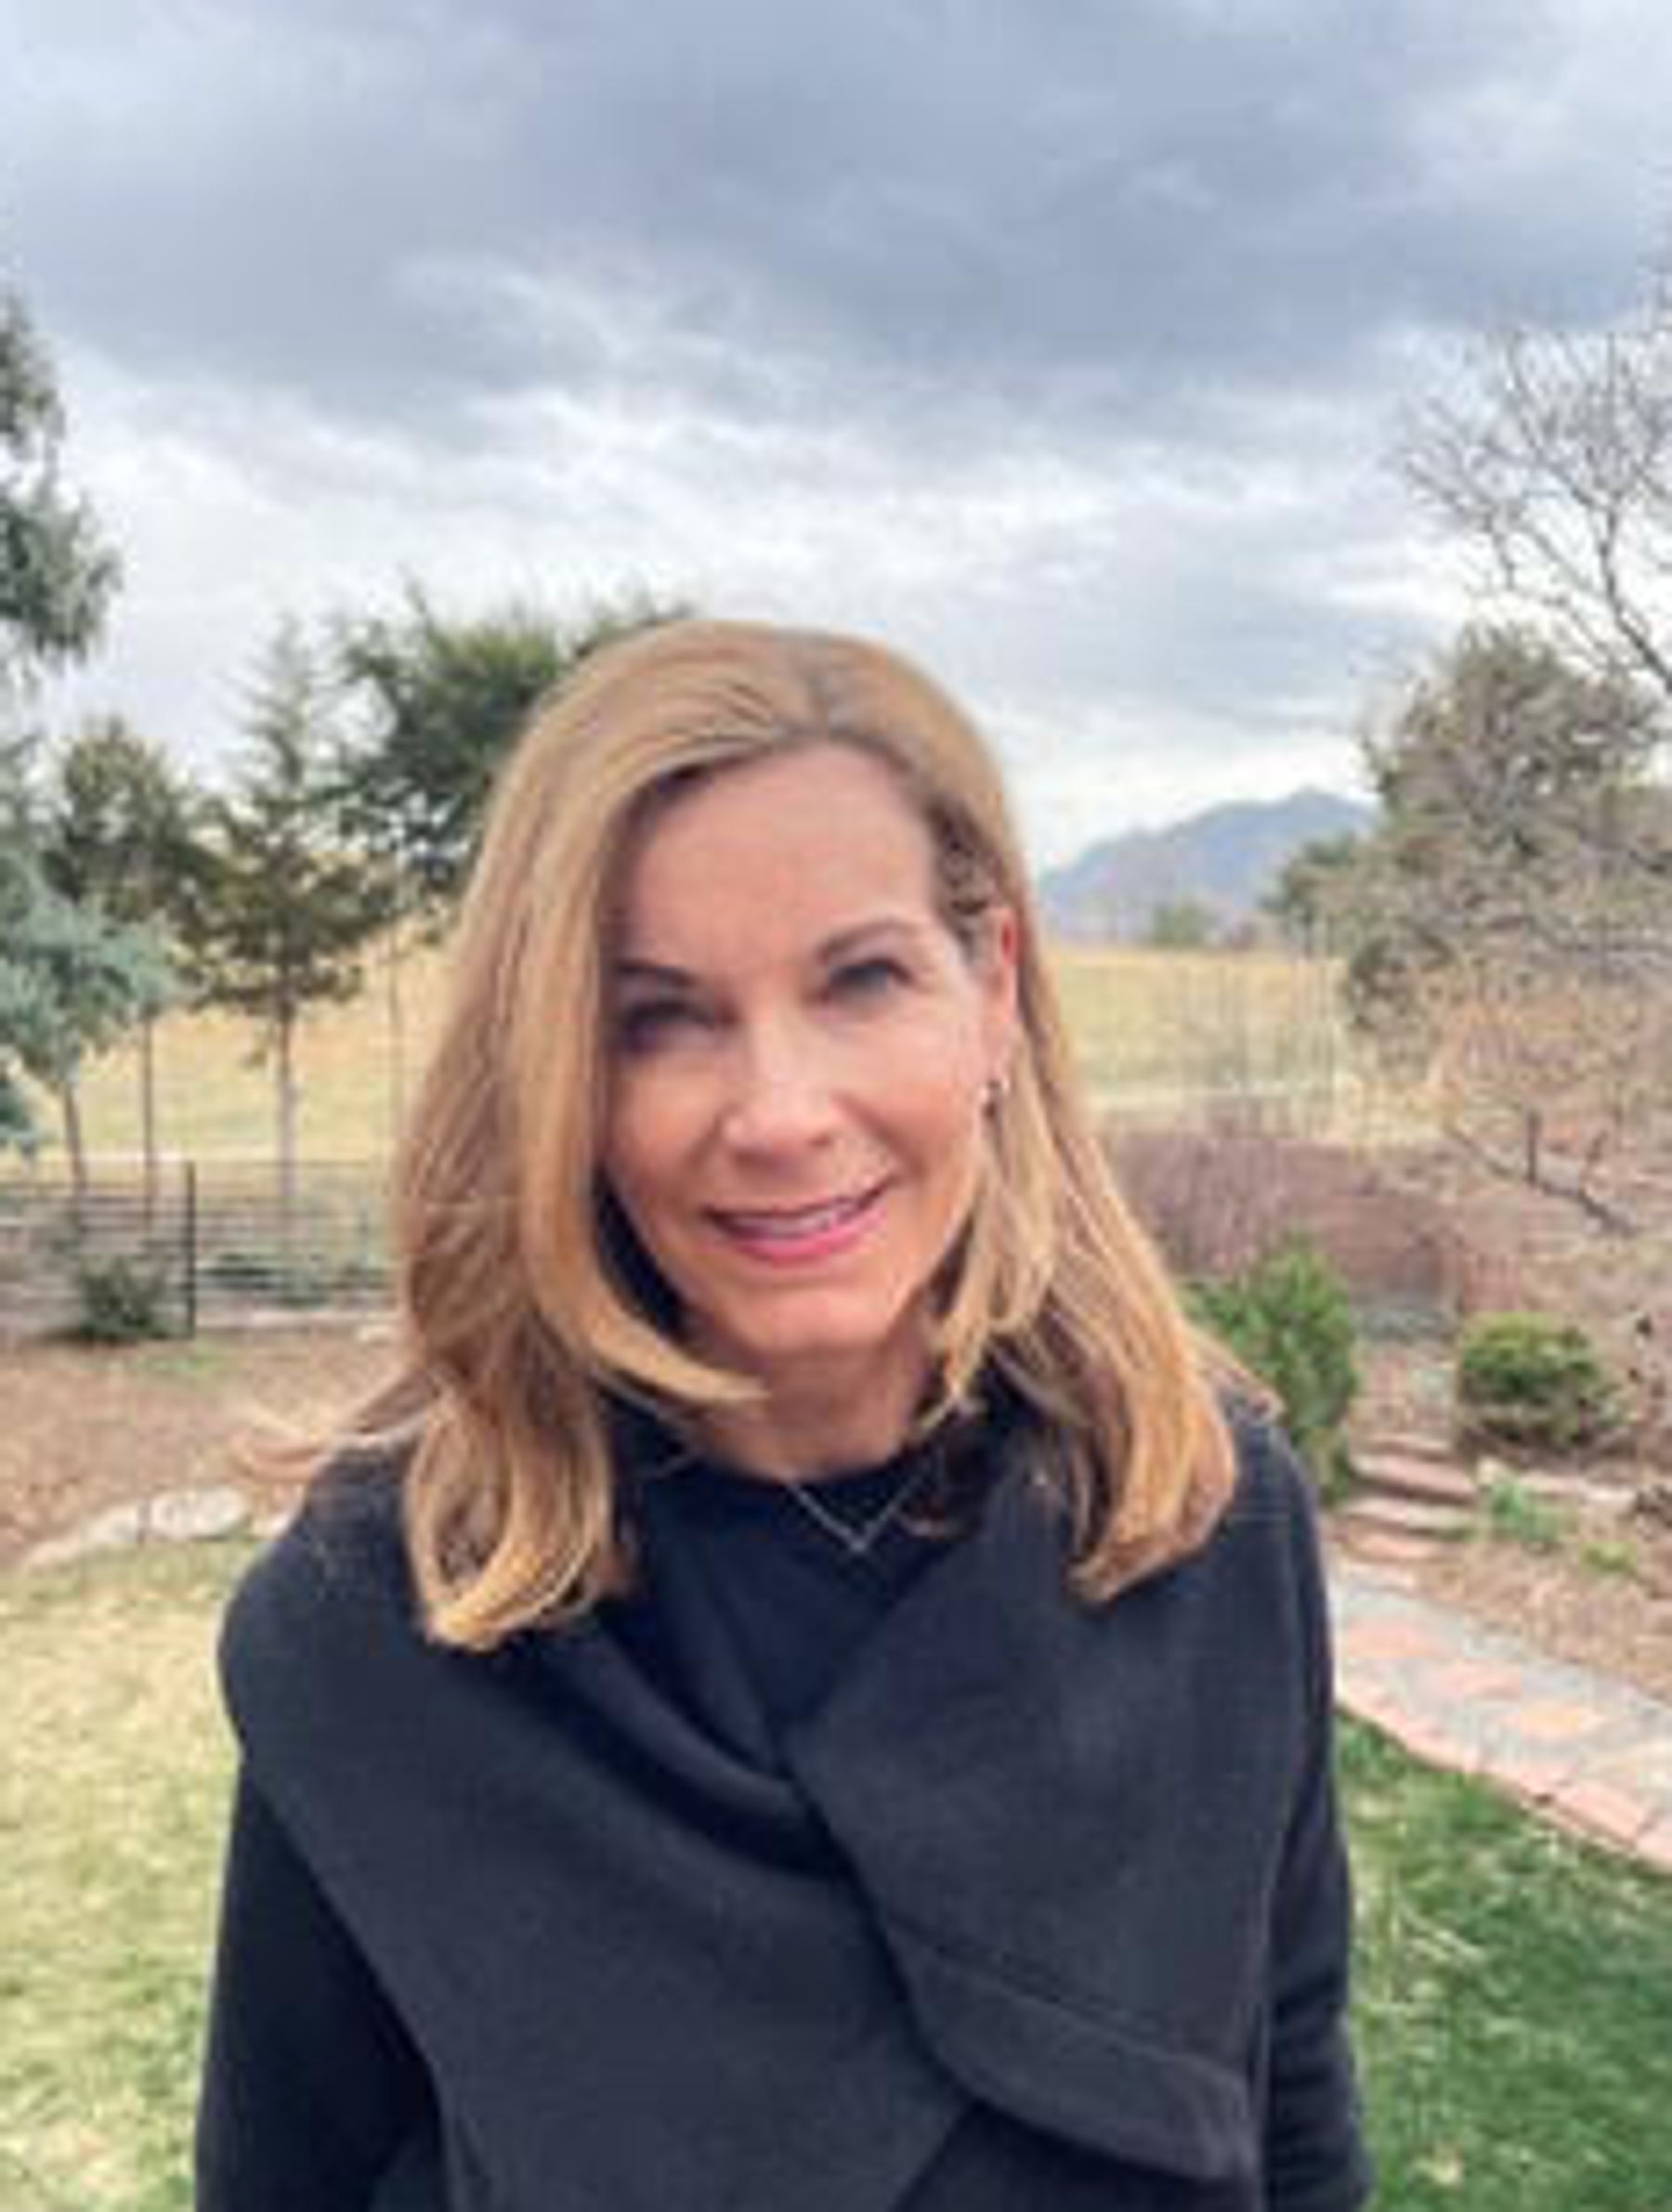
point(1044, 1909)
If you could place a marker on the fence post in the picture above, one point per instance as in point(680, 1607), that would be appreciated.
point(189, 1238)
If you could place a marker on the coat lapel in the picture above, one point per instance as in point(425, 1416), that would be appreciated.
point(1065, 1822)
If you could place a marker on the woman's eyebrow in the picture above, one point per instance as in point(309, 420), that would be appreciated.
point(632, 968)
point(881, 929)
point(660, 974)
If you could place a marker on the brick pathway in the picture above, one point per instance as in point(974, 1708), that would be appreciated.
point(1590, 1752)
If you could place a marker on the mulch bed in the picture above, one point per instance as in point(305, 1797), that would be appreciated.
point(1601, 1598)
point(84, 1429)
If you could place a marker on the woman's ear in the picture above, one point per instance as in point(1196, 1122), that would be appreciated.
point(996, 968)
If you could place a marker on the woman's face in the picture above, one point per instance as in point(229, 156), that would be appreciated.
point(799, 1053)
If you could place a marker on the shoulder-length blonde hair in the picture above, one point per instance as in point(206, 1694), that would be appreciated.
point(524, 1316)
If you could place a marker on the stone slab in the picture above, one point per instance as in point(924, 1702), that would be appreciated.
point(1428, 1480)
point(1395, 1514)
point(198, 1516)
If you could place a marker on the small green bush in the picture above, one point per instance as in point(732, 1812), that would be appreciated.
point(1524, 1379)
point(1516, 1515)
point(121, 1301)
point(1288, 1318)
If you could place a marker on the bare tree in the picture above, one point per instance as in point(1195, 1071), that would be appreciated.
point(1553, 1079)
point(1556, 471)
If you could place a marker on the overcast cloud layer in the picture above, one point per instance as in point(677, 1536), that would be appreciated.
point(1064, 345)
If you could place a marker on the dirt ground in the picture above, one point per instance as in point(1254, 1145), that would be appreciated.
point(85, 1429)
point(1612, 1617)
point(82, 1430)
point(1602, 1594)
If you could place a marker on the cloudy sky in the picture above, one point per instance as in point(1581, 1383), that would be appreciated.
point(1063, 341)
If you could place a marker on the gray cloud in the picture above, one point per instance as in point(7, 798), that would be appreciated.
point(964, 205)
point(1062, 342)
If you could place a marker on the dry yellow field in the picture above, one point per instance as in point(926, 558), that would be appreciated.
point(1159, 1034)
point(215, 1093)
point(1166, 1033)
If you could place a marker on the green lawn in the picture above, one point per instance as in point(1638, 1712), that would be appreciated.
point(1515, 2002)
point(1515, 1988)
point(111, 1799)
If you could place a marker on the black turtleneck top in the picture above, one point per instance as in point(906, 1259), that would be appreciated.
point(796, 1600)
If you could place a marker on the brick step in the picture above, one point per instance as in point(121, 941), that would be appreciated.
point(1393, 1470)
point(1376, 1547)
point(1387, 1514)
point(1418, 1444)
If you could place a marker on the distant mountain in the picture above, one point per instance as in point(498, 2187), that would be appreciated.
point(1225, 859)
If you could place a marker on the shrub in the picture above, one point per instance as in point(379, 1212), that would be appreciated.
point(1516, 1515)
point(120, 1301)
point(1525, 1379)
point(1287, 1318)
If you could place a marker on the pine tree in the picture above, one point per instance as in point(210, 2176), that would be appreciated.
point(72, 979)
point(284, 911)
point(440, 702)
point(56, 573)
point(120, 835)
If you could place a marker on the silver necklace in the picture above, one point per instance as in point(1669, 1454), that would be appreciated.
point(859, 1537)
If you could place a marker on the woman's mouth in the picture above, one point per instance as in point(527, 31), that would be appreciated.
point(792, 1236)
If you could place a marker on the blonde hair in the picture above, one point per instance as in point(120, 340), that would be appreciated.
point(524, 1317)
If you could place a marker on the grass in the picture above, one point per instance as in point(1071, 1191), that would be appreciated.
point(1512, 2005)
point(1511, 1512)
point(1511, 1991)
point(1612, 1559)
point(1152, 1029)
point(111, 1811)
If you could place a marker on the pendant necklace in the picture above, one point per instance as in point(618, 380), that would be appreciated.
point(857, 1539)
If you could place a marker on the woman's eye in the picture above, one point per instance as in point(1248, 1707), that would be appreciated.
point(655, 1022)
point(867, 979)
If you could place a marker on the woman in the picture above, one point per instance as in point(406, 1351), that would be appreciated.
point(809, 1693)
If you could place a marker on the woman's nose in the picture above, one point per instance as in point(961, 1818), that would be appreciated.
point(781, 1098)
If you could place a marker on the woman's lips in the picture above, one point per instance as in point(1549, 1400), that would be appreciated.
point(793, 1236)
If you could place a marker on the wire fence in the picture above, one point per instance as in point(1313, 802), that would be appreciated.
point(188, 1244)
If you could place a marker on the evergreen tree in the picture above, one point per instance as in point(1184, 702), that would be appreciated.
point(120, 834)
point(1181, 926)
point(56, 573)
point(72, 979)
point(1305, 901)
point(439, 703)
point(285, 911)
